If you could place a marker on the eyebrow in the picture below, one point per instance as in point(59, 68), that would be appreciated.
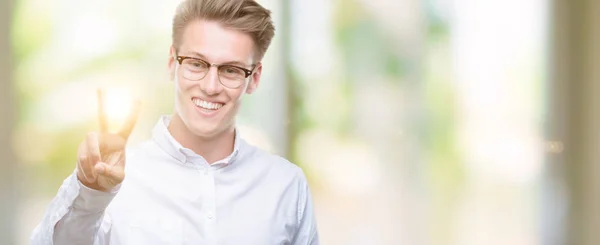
point(199, 55)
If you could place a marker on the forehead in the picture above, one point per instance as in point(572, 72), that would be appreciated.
point(216, 43)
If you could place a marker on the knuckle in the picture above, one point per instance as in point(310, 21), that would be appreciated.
point(83, 159)
point(93, 152)
point(94, 155)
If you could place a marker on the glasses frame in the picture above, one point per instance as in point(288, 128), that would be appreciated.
point(247, 72)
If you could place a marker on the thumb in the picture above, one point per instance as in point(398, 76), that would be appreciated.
point(114, 173)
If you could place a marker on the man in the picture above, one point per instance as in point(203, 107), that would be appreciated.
point(195, 181)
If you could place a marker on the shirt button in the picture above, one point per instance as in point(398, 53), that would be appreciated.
point(210, 215)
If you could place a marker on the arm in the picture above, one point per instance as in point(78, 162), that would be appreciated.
point(75, 216)
point(307, 233)
point(77, 213)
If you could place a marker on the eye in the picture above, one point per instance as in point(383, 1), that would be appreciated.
point(195, 64)
point(229, 70)
point(233, 71)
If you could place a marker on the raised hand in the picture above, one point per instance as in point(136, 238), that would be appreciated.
point(101, 156)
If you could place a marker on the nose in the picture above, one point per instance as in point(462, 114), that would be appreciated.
point(210, 83)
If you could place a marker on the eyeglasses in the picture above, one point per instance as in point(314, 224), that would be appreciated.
point(230, 76)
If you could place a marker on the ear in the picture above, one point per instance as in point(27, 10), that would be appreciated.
point(255, 79)
point(171, 63)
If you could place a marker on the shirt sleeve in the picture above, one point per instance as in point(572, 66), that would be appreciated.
point(307, 233)
point(75, 216)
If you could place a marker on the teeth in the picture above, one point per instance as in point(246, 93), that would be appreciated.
point(206, 104)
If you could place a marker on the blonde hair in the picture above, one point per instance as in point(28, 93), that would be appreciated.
point(246, 16)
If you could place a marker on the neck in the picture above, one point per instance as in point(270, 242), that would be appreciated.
point(212, 149)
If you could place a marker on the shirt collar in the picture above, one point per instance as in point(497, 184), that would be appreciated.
point(164, 139)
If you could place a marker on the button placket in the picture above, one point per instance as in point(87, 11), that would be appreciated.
point(210, 205)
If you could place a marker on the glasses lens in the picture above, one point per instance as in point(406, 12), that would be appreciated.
point(231, 76)
point(194, 69)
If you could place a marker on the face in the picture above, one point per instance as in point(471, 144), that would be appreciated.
point(206, 106)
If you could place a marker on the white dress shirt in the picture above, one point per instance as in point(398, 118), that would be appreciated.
point(171, 195)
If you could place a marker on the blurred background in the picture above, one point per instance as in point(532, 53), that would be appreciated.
point(464, 122)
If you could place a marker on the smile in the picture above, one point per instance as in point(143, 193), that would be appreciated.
point(206, 104)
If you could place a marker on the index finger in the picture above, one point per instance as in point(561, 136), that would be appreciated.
point(131, 120)
point(102, 118)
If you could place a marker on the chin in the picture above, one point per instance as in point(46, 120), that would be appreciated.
point(207, 127)
point(204, 129)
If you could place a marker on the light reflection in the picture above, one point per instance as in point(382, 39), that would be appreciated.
point(118, 104)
